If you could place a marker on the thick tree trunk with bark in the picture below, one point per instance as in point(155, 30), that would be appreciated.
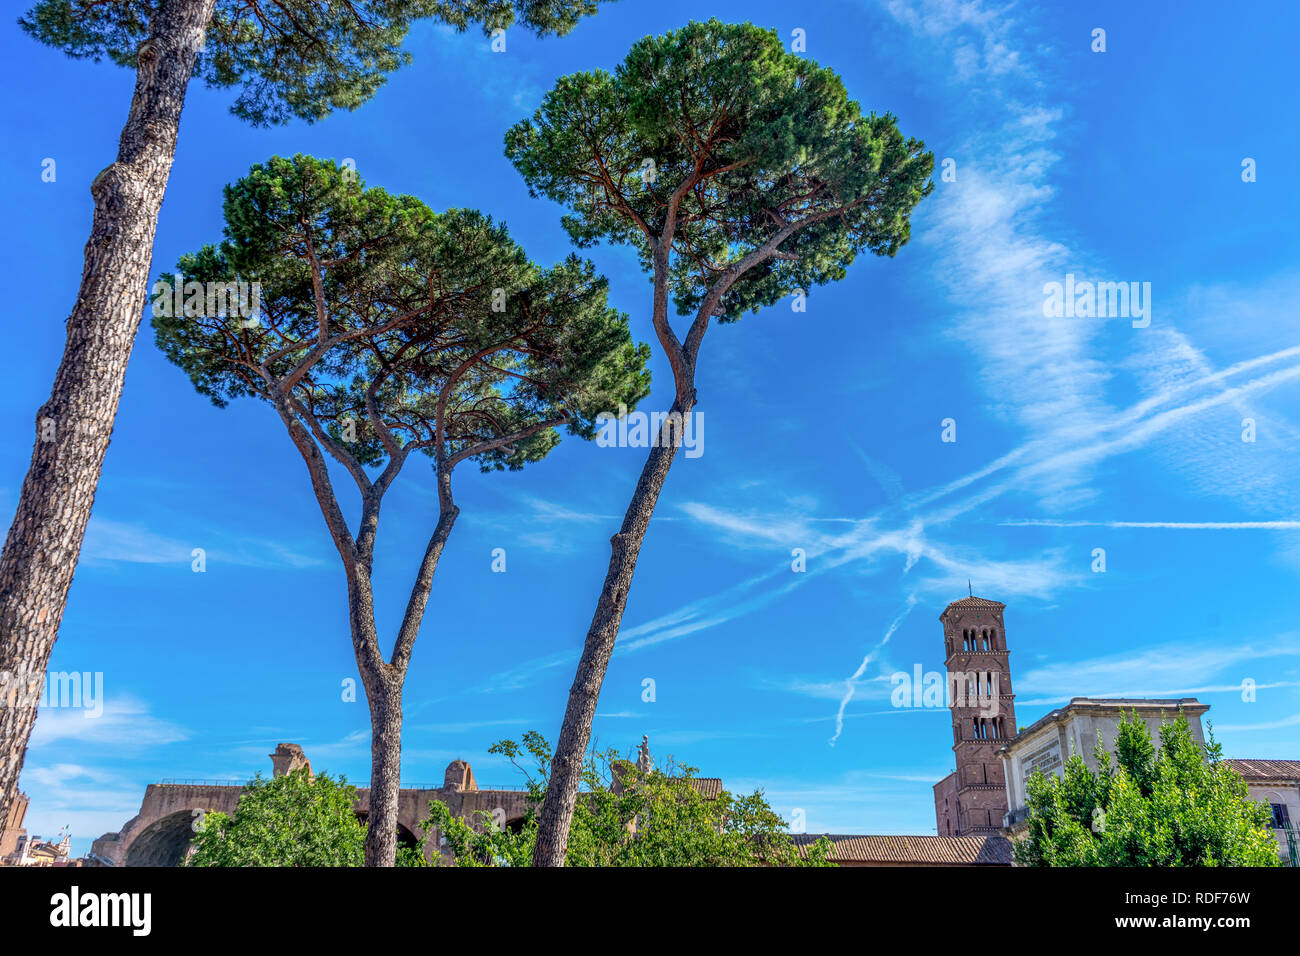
point(384, 694)
point(556, 814)
point(383, 680)
point(73, 426)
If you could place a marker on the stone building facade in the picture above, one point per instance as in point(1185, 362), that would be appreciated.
point(1276, 783)
point(1049, 741)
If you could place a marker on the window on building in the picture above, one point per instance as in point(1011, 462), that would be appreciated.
point(1281, 818)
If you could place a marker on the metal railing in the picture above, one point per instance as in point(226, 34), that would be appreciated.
point(1293, 850)
point(177, 782)
point(481, 786)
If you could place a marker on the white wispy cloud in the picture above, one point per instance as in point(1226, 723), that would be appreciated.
point(1186, 525)
point(995, 246)
point(1291, 721)
point(88, 801)
point(545, 526)
point(124, 723)
point(991, 251)
point(110, 542)
point(991, 239)
point(1169, 667)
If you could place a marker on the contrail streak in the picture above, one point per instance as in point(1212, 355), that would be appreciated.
point(1192, 525)
point(848, 684)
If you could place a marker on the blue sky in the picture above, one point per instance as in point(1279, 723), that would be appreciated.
point(823, 431)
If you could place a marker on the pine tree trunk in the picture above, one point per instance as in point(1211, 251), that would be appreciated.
point(383, 684)
point(385, 697)
point(384, 681)
point(73, 426)
point(556, 814)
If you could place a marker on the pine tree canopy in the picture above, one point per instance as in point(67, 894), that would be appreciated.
point(716, 138)
point(389, 327)
point(290, 58)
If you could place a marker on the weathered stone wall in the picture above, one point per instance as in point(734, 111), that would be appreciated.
point(945, 805)
point(159, 834)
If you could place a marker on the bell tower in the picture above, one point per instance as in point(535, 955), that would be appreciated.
point(973, 799)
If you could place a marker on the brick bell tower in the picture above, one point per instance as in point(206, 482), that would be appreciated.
point(973, 799)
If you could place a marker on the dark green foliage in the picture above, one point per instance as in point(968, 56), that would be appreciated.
point(760, 139)
point(377, 322)
point(1179, 806)
point(628, 818)
point(290, 58)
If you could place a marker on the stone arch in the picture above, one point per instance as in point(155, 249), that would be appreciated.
point(405, 836)
point(165, 842)
point(167, 814)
